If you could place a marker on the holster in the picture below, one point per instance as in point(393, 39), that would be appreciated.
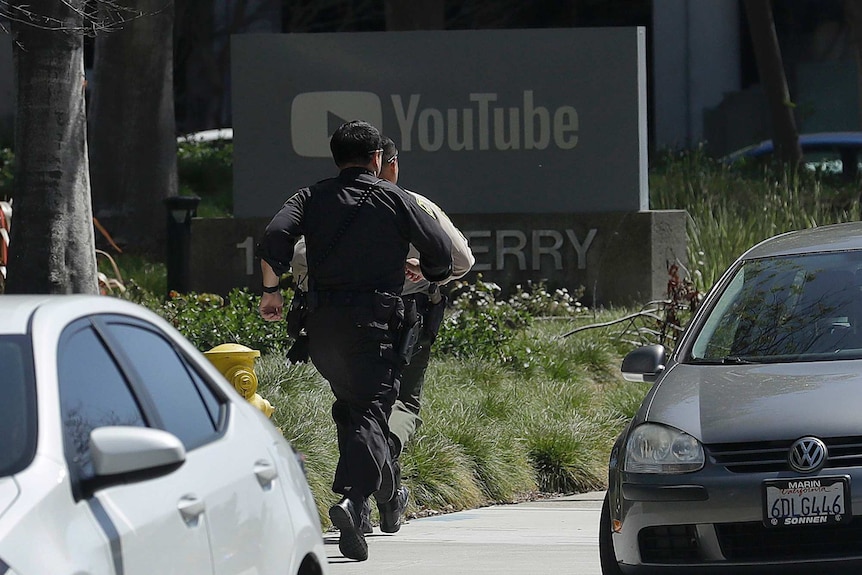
point(410, 331)
point(297, 314)
point(298, 352)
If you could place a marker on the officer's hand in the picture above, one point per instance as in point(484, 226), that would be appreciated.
point(271, 306)
point(412, 270)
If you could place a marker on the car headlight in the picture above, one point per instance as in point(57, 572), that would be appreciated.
point(654, 448)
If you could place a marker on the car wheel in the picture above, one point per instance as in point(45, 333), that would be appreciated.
point(607, 556)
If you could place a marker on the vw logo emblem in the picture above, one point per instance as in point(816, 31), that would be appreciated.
point(807, 455)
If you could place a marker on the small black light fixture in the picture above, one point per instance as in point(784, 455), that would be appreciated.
point(180, 211)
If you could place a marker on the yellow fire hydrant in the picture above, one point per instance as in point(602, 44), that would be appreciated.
point(236, 363)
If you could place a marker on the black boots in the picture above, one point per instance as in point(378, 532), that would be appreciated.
point(346, 515)
point(365, 521)
point(391, 511)
point(392, 500)
point(353, 518)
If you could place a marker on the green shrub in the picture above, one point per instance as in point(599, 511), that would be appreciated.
point(480, 323)
point(208, 320)
point(205, 169)
point(477, 324)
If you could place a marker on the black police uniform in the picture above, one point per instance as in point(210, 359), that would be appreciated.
point(354, 310)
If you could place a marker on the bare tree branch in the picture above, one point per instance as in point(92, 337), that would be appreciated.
point(95, 16)
point(651, 314)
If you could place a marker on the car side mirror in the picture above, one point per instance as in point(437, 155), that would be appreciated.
point(125, 449)
point(644, 363)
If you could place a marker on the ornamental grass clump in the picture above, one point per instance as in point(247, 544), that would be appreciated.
point(440, 475)
point(565, 454)
point(732, 209)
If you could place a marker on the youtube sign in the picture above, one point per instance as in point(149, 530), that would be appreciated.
point(314, 116)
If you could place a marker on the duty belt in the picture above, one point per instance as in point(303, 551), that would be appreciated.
point(340, 298)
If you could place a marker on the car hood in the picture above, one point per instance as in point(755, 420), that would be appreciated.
point(722, 404)
point(8, 493)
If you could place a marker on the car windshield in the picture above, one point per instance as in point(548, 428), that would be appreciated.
point(17, 406)
point(790, 308)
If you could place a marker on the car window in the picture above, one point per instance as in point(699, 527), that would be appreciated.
point(785, 309)
point(214, 403)
point(175, 395)
point(93, 393)
point(17, 406)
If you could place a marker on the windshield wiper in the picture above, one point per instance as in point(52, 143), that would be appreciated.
point(735, 360)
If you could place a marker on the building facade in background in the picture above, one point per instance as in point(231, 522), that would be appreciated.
point(702, 77)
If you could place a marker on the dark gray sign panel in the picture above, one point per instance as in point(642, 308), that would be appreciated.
point(487, 122)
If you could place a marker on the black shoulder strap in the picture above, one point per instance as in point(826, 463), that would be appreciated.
point(345, 224)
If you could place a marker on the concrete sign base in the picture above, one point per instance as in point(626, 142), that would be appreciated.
point(618, 258)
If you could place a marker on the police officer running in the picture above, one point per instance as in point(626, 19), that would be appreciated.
point(430, 304)
point(358, 228)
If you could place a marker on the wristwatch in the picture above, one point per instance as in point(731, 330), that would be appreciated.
point(271, 289)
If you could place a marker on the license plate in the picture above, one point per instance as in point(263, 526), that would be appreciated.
point(812, 501)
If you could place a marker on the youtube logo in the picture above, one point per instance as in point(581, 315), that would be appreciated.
point(314, 116)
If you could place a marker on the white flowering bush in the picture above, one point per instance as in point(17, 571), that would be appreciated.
point(480, 323)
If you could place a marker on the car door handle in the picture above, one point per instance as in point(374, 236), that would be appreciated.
point(265, 472)
point(191, 508)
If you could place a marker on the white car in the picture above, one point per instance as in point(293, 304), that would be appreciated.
point(125, 452)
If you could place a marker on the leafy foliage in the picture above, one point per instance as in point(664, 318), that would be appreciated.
point(478, 324)
point(208, 320)
point(482, 324)
point(205, 169)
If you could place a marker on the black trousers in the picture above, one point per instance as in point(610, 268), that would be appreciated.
point(355, 353)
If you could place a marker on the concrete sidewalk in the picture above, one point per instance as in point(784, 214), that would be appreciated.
point(548, 536)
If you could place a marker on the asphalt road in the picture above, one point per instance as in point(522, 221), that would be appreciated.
point(552, 536)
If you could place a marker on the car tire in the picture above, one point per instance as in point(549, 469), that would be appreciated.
point(607, 556)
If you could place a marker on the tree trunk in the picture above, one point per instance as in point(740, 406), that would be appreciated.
point(52, 249)
point(771, 68)
point(200, 70)
point(415, 15)
point(132, 129)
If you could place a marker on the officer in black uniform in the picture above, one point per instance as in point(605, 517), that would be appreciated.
point(357, 228)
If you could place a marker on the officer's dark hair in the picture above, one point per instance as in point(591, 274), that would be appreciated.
point(355, 142)
point(390, 150)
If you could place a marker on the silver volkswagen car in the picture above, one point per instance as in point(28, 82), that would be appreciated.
point(746, 453)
